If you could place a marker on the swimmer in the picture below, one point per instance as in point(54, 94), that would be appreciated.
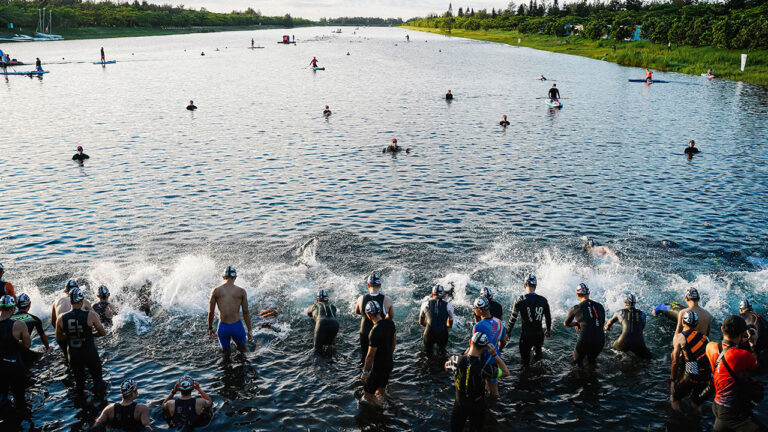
point(80, 156)
point(77, 328)
point(33, 323)
point(470, 371)
point(230, 299)
point(145, 293)
point(668, 310)
point(542, 78)
point(252, 42)
point(495, 307)
point(689, 353)
point(326, 326)
point(126, 415)
point(374, 294)
point(691, 149)
point(378, 363)
point(532, 309)
point(705, 318)
point(38, 65)
point(554, 93)
point(449, 95)
point(394, 148)
point(102, 55)
point(599, 252)
point(6, 288)
point(267, 318)
point(632, 324)
point(758, 328)
point(191, 106)
point(185, 411)
point(493, 328)
point(62, 306)
point(326, 112)
point(437, 316)
point(14, 338)
point(504, 123)
point(589, 318)
point(104, 308)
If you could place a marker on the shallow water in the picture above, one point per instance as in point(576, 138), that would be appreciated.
point(172, 197)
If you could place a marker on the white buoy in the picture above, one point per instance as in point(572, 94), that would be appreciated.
point(743, 62)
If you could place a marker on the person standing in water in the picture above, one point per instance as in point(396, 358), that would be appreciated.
point(126, 415)
point(705, 318)
point(588, 317)
point(437, 316)
point(449, 95)
point(632, 324)
point(326, 112)
point(689, 355)
point(6, 288)
point(493, 328)
point(230, 299)
point(185, 412)
point(554, 93)
point(378, 363)
point(326, 326)
point(62, 306)
point(252, 43)
point(532, 309)
point(33, 323)
point(191, 106)
point(691, 149)
point(374, 294)
point(80, 156)
point(14, 338)
point(38, 65)
point(104, 308)
point(504, 123)
point(103, 59)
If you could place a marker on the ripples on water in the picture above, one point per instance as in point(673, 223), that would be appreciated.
point(171, 198)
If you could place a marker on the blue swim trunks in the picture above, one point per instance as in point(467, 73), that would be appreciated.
point(235, 331)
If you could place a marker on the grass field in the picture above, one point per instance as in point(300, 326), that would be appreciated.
point(689, 60)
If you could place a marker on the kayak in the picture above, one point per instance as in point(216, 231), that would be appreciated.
point(317, 68)
point(554, 103)
point(12, 63)
point(652, 81)
point(30, 73)
point(706, 75)
point(106, 62)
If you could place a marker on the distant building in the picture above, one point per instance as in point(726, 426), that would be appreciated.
point(638, 32)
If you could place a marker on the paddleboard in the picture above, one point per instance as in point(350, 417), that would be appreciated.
point(318, 68)
point(642, 80)
point(106, 62)
point(30, 73)
point(553, 103)
point(705, 75)
point(255, 47)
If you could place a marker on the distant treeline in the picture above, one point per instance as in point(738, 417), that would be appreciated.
point(734, 24)
point(361, 21)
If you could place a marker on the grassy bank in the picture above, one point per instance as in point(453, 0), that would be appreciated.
point(117, 32)
point(689, 60)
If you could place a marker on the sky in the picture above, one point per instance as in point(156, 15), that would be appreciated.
point(335, 8)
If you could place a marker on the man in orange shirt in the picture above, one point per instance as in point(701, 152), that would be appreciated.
point(6, 288)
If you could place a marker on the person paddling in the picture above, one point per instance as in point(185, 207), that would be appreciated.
point(649, 75)
point(313, 62)
point(38, 65)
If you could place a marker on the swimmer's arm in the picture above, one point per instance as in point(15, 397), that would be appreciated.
point(451, 315)
point(310, 310)
point(94, 320)
point(569, 320)
point(390, 309)
point(53, 315)
point(422, 315)
point(169, 398)
point(211, 311)
point(369, 360)
point(394, 342)
point(26, 341)
point(357, 306)
point(111, 311)
point(675, 355)
point(208, 401)
point(611, 322)
point(548, 318)
point(513, 317)
point(246, 314)
point(499, 361)
point(143, 412)
point(105, 416)
point(679, 327)
point(41, 332)
point(87, 305)
point(60, 335)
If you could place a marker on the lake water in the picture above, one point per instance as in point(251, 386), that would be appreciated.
point(172, 197)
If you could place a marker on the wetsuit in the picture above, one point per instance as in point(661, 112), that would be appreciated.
point(124, 418)
point(326, 326)
point(449, 96)
point(470, 374)
point(669, 310)
point(503, 123)
point(80, 157)
point(697, 378)
point(632, 324)
point(554, 93)
point(691, 150)
point(532, 308)
point(33, 323)
point(496, 310)
point(381, 337)
point(365, 324)
point(101, 309)
point(184, 413)
point(436, 313)
point(326, 112)
point(12, 368)
point(82, 350)
point(590, 317)
point(191, 107)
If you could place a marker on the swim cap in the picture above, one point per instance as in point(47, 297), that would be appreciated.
point(692, 294)
point(70, 284)
point(438, 291)
point(394, 140)
point(630, 299)
point(530, 280)
point(690, 318)
point(24, 301)
point(79, 148)
point(326, 107)
point(375, 279)
point(504, 116)
point(480, 339)
point(322, 295)
point(128, 387)
point(582, 289)
point(743, 305)
point(230, 272)
point(190, 102)
point(592, 243)
point(372, 308)
point(481, 303)
point(7, 302)
point(103, 291)
point(487, 293)
point(186, 383)
point(75, 295)
point(554, 85)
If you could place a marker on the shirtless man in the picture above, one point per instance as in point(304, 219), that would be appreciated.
point(62, 306)
point(705, 318)
point(374, 288)
point(599, 252)
point(230, 298)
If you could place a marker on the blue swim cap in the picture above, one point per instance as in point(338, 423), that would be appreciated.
point(186, 383)
point(7, 302)
point(103, 291)
point(70, 284)
point(480, 339)
point(24, 301)
point(530, 280)
point(481, 303)
point(438, 291)
point(372, 308)
point(76, 295)
point(374, 279)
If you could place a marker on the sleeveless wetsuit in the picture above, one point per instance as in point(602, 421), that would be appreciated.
point(697, 379)
point(381, 337)
point(470, 374)
point(82, 350)
point(124, 418)
point(101, 309)
point(184, 413)
point(590, 316)
point(365, 324)
point(33, 323)
point(436, 331)
point(326, 326)
point(631, 339)
point(532, 309)
point(11, 366)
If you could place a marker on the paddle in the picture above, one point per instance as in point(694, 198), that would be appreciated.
point(550, 98)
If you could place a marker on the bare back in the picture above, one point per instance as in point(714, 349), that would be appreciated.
point(228, 298)
point(705, 320)
point(63, 305)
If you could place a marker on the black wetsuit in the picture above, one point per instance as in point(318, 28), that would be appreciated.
point(124, 418)
point(436, 330)
point(669, 310)
point(632, 324)
point(503, 123)
point(590, 317)
point(697, 378)
point(191, 107)
point(532, 308)
point(101, 309)
point(496, 310)
point(33, 323)
point(326, 326)
point(691, 150)
point(82, 350)
point(12, 368)
point(554, 93)
point(80, 157)
point(381, 337)
point(184, 413)
point(449, 96)
point(470, 376)
point(365, 324)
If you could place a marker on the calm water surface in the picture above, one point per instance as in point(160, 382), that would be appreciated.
point(172, 197)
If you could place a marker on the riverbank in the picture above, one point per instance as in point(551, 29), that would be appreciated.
point(119, 32)
point(688, 60)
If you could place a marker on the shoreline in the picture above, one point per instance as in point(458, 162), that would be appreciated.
point(687, 60)
point(120, 32)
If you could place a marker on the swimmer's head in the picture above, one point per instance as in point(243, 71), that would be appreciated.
point(692, 294)
point(372, 308)
point(690, 318)
point(590, 243)
point(530, 281)
point(504, 116)
point(582, 290)
point(24, 301)
point(374, 280)
point(734, 327)
point(326, 107)
point(322, 296)
point(230, 273)
point(480, 339)
point(554, 85)
point(7, 303)
point(70, 285)
point(128, 388)
point(394, 140)
point(438, 291)
point(186, 384)
point(449, 91)
point(76, 296)
point(481, 303)
point(191, 102)
point(744, 305)
point(487, 293)
point(103, 292)
point(691, 143)
point(630, 300)
point(79, 149)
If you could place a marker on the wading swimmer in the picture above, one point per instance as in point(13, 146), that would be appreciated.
point(495, 307)
point(374, 294)
point(102, 55)
point(326, 326)
point(38, 65)
point(230, 299)
point(449, 95)
point(62, 306)
point(33, 323)
point(504, 123)
point(185, 411)
point(632, 325)
point(326, 112)
point(689, 354)
point(705, 318)
point(378, 360)
point(191, 106)
point(532, 309)
point(104, 308)
point(126, 415)
point(437, 316)
point(14, 338)
point(494, 330)
point(394, 148)
point(470, 374)
point(80, 156)
point(599, 252)
point(6, 288)
point(759, 329)
point(691, 149)
point(589, 318)
point(78, 328)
